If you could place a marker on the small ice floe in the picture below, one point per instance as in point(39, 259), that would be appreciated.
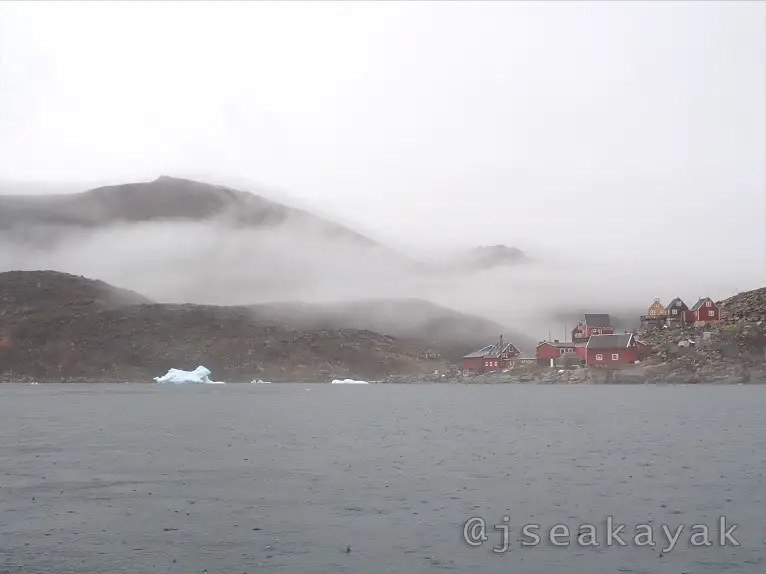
point(348, 382)
point(260, 382)
point(200, 375)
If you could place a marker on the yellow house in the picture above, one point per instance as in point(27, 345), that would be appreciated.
point(656, 309)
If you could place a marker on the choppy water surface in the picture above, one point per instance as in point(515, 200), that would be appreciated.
point(288, 478)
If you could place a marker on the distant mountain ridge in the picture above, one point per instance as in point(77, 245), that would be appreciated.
point(43, 218)
point(164, 199)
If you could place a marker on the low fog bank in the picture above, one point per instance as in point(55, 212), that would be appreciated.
point(216, 264)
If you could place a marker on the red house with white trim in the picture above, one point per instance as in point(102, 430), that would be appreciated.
point(611, 350)
point(491, 358)
point(548, 351)
point(704, 312)
point(593, 324)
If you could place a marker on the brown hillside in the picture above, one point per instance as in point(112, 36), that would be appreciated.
point(63, 327)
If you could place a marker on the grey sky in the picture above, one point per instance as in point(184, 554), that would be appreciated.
point(588, 129)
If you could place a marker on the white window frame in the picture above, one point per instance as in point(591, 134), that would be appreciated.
point(652, 312)
point(615, 356)
point(599, 357)
point(708, 303)
point(675, 311)
point(711, 313)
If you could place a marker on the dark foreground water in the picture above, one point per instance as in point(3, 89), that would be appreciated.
point(288, 478)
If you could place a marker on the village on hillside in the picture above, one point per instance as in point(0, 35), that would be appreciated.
point(593, 340)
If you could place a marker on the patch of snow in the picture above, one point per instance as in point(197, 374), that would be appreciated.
point(348, 382)
point(260, 382)
point(200, 375)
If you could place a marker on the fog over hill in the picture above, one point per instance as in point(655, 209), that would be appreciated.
point(179, 240)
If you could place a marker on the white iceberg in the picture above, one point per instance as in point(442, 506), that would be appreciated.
point(348, 382)
point(260, 382)
point(200, 375)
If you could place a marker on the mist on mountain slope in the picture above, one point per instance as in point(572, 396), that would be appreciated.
point(215, 263)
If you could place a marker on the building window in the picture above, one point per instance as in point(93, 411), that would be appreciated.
point(599, 357)
point(652, 312)
point(708, 304)
point(675, 311)
point(615, 356)
point(711, 313)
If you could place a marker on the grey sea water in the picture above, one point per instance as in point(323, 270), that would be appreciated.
point(353, 478)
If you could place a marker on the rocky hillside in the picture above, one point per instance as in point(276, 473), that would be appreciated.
point(60, 327)
point(731, 351)
point(422, 323)
point(748, 306)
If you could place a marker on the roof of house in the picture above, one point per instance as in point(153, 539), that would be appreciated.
point(674, 302)
point(557, 344)
point(490, 351)
point(700, 303)
point(480, 353)
point(609, 341)
point(598, 320)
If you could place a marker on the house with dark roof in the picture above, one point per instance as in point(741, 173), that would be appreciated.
point(592, 324)
point(490, 358)
point(611, 350)
point(704, 312)
point(675, 311)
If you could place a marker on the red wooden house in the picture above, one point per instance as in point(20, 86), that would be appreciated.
point(704, 312)
point(593, 324)
point(490, 358)
point(548, 351)
point(611, 350)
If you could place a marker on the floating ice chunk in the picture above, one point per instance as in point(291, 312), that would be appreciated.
point(260, 382)
point(200, 375)
point(349, 382)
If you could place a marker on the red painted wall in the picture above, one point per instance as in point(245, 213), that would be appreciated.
point(547, 352)
point(626, 356)
point(474, 364)
point(492, 365)
point(701, 314)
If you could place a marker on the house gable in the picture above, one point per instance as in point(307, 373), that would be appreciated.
point(676, 305)
point(703, 302)
point(656, 309)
